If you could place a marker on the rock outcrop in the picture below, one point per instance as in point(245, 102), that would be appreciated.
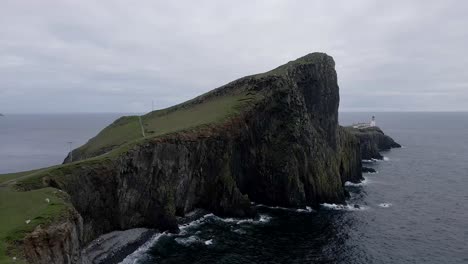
point(373, 141)
point(285, 149)
point(60, 242)
point(368, 170)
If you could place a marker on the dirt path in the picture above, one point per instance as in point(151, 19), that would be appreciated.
point(141, 126)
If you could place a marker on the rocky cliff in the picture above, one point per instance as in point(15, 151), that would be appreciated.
point(373, 141)
point(282, 146)
point(60, 242)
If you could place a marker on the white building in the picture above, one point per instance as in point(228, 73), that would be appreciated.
point(372, 122)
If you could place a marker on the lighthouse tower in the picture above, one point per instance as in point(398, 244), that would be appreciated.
point(372, 122)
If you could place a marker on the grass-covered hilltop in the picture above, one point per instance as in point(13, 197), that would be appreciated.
point(271, 138)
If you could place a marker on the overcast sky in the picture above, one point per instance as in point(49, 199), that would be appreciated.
point(118, 56)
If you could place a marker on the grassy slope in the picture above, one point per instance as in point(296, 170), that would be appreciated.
point(11, 176)
point(215, 110)
point(126, 130)
point(123, 130)
point(17, 207)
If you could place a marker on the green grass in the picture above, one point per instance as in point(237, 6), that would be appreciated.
point(11, 176)
point(126, 131)
point(17, 207)
point(123, 130)
point(212, 111)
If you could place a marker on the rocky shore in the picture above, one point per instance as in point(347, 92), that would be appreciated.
point(372, 141)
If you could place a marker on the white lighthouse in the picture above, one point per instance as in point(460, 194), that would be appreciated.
point(372, 122)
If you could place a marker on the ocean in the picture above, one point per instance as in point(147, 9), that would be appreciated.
point(414, 210)
point(31, 141)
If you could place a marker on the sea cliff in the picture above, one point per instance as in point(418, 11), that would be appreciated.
point(274, 139)
point(373, 141)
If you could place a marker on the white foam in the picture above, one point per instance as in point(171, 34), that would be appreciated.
point(385, 205)
point(306, 210)
point(274, 207)
point(263, 219)
point(363, 182)
point(386, 158)
point(186, 241)
point(368, 161)
point(239, 231)
point(344, 207)
point(137, 254)
point(194, 223)
point(184, 229)
point(300, 210)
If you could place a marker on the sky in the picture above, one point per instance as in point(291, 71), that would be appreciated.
point(118, 56)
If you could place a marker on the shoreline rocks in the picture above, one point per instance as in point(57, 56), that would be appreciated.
point(373, 141)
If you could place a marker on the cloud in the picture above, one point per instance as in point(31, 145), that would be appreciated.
point(117, 56)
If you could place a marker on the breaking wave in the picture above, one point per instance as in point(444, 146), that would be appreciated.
point(185, 229)
point(307, 209)
point(141, 251)
point(344, 207)
point(385, 205)
point(363, 182)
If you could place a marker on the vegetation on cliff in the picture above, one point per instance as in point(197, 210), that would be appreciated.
point(22, 212)
point(272, 138)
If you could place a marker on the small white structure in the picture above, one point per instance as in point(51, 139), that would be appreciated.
point(372, 122)
point(365, 125)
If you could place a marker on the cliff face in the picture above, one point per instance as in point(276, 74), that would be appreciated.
point(57, 243)
point(372, 141)
point(284, 149)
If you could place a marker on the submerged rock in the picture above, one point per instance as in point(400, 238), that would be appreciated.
point(368, 170)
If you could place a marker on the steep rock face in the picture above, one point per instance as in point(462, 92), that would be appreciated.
point(57, 243)
point(350, 157)
point(285, 149)
point(372, 141)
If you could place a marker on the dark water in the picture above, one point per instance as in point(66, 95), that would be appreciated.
point(35, 141)
point(415, 210)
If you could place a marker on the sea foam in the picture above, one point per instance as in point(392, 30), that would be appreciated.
point(344, 207)
point(141, 251)
point(385, 205)
point(363, 182)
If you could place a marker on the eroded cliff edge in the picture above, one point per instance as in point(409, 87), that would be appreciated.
point(282, 147)
point(372, 141)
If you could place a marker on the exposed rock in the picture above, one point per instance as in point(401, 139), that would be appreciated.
point(368, 170)
point(373, 140)
point(115, 246)
point(57, 243)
